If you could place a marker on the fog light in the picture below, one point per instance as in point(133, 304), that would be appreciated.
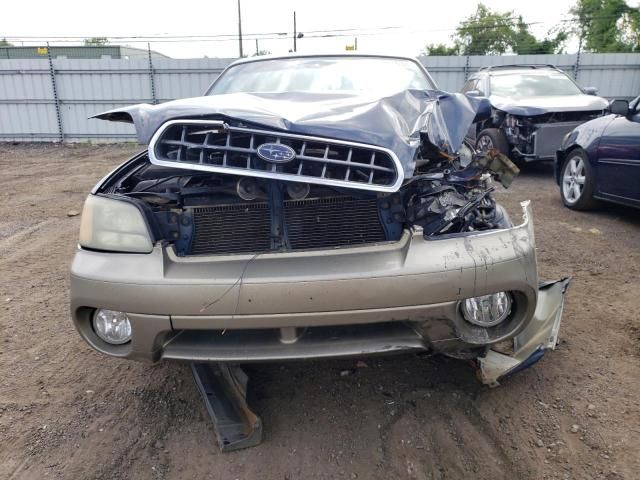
point(487, 310)
point(112, 326)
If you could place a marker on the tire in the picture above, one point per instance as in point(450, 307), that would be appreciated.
point(492, 138)
point(577, 182)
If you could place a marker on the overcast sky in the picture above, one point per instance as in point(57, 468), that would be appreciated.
point(419, 21)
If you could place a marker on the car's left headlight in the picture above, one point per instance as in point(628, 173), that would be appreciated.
point(113, 225)
point(112, 326)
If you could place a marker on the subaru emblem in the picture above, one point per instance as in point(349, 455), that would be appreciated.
point(276, 153)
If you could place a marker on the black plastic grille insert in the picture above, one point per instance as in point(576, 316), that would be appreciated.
point(311, 223)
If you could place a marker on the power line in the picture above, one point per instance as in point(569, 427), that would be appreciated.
point(145, 38)
point(331, 33)
point(345, 31)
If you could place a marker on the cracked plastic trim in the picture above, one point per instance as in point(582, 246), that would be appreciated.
point(530, 345)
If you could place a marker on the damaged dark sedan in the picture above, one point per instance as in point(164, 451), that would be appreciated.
point(311, 207)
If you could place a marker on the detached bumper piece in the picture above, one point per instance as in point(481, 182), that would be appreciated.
point(223, 388)
point(533, 342)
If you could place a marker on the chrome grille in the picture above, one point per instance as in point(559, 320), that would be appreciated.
point(217, 147)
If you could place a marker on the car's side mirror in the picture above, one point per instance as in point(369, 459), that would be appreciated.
point(619, 107)
point(473, 93)
point(590, 90)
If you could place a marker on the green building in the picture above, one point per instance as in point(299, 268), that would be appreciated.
point(78, 51)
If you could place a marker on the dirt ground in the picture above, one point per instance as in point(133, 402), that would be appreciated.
point(69, 412)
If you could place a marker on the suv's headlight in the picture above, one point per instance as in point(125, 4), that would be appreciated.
point(113, 225)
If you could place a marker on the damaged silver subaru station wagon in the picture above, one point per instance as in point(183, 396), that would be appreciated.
point(311, 207)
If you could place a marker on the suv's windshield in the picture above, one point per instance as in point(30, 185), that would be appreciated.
point(322, 74)
point(534, 84)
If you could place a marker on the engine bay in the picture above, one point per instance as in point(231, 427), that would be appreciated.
point(212, 213)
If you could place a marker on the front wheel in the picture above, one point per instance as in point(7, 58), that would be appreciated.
point(490, 139)
point(578, 182)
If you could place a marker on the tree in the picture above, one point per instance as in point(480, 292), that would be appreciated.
point(485, 32)
point(440, 50)
point(4, 43)
point(607, 26)
point(95, 42)
point(523, 42)
point(488, 32)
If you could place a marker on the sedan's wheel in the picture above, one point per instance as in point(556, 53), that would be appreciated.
point(573, 179)
point(577, 182)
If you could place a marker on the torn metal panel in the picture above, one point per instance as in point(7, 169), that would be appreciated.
point(395, 122)
point(540, 335)
point(503, 169)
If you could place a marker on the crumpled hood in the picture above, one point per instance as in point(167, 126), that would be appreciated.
point(395, 122)
point(530, 106)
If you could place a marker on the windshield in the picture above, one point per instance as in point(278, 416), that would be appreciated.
point(536, 84)
point(323, 74)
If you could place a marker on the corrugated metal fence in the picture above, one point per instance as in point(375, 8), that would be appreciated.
point(616, 75)
point(50, 99)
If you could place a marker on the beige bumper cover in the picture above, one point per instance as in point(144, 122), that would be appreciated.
point(410, 289)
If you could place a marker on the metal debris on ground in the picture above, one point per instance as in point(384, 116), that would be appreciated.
point(224, 390)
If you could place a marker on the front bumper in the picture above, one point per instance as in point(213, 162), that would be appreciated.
point(547, 138)
point(391, 297)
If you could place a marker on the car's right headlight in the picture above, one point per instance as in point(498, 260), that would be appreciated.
point(487, 310)
point(113, 225)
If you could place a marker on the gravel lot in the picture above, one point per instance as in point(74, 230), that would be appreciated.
point(68, 412)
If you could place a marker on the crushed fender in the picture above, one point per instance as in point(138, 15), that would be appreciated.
point(531, 344)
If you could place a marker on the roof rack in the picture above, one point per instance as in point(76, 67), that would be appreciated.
point(519, 65)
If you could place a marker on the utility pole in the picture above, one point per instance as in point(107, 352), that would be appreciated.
point(295, 32)
point(576, 65)
point(257, 49)
point(240, 30)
